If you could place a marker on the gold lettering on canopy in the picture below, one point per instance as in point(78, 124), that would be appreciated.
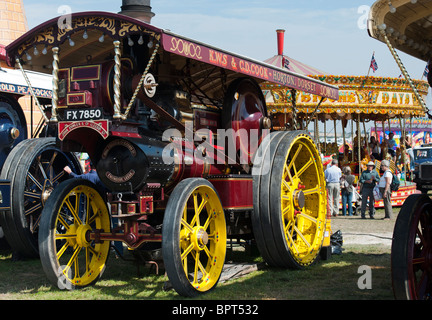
point(186, 48)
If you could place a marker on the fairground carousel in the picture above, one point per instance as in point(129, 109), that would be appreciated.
point(367, 104)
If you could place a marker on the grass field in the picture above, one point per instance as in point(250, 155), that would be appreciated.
point(332, 279)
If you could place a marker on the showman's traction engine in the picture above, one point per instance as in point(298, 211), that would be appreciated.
point(183, 143)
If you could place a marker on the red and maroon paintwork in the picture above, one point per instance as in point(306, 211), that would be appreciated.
point(93, 86)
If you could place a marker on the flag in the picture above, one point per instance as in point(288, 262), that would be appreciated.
point(373, 64)
point(285, 63)
point(426, 72)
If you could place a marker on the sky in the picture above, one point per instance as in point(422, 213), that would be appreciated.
point(327, 35)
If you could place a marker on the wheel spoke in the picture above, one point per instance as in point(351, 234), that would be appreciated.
point(73, 211)
point(306, 216)
point(300, 234)
point(197, 268)
point(419, 260)
point(33, 209)
point(287, 173)
point(58, 176)
point(35, 181)
point(62, 249)
point(186, 225)
point(35, 195)
point(50, 165)
point(91, 218)
point(36, 223)
point(420, 235)
point(208, 253)
point(39, 164)
point(286, 210)
point(286, 185)
point(186, 252)
point(311, 191)
point(208, 221)
point(77, 250)
point(291, 240)
point(63, 221)
point(304, 168)
point(294, 157)
point(286, 197)
point(76, 265)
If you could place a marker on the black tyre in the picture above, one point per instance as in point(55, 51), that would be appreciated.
point(290, 202)
point(35, 168)
point(261, 199)
point(411, 261)
point(194, 237)
point(70, 258)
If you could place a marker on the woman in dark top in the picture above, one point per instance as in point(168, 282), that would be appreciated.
point(367, 181)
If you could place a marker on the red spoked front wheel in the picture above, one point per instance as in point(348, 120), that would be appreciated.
point(412, 250)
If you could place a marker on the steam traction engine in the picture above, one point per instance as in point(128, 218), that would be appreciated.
point(181, 138)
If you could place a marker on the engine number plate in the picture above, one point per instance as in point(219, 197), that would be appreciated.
point(83, 114)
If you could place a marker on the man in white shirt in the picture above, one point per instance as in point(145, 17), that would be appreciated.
point(384, 187)
point(332, 175)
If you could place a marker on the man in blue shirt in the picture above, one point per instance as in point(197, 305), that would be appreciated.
point(92, 176)
point(332, 175)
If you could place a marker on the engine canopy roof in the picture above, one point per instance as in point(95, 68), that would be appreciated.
point(80, 41)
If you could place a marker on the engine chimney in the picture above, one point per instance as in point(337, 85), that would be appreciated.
point(280, 40)
point(138, 9)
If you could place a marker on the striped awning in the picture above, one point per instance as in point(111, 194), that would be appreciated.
point(294, 65)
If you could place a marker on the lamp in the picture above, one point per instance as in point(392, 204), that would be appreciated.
point(392, 8)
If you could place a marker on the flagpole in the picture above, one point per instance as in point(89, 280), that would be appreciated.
point(424, 72)
point(373, 54)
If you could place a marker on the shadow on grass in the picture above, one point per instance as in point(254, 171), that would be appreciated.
point(335, 279)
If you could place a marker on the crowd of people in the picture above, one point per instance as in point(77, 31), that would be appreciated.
point(341, 182)
point(373, 185)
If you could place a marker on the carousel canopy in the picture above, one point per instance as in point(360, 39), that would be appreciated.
point(367, 97)
point(373, 98)
point(407, 24)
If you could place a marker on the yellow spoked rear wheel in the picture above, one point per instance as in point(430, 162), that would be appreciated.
point(194, 237)
point(291, 207)
point(69, 257)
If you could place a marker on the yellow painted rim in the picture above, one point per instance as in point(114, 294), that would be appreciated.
point(81, 260)
point(203, 238)
point(303, 206)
